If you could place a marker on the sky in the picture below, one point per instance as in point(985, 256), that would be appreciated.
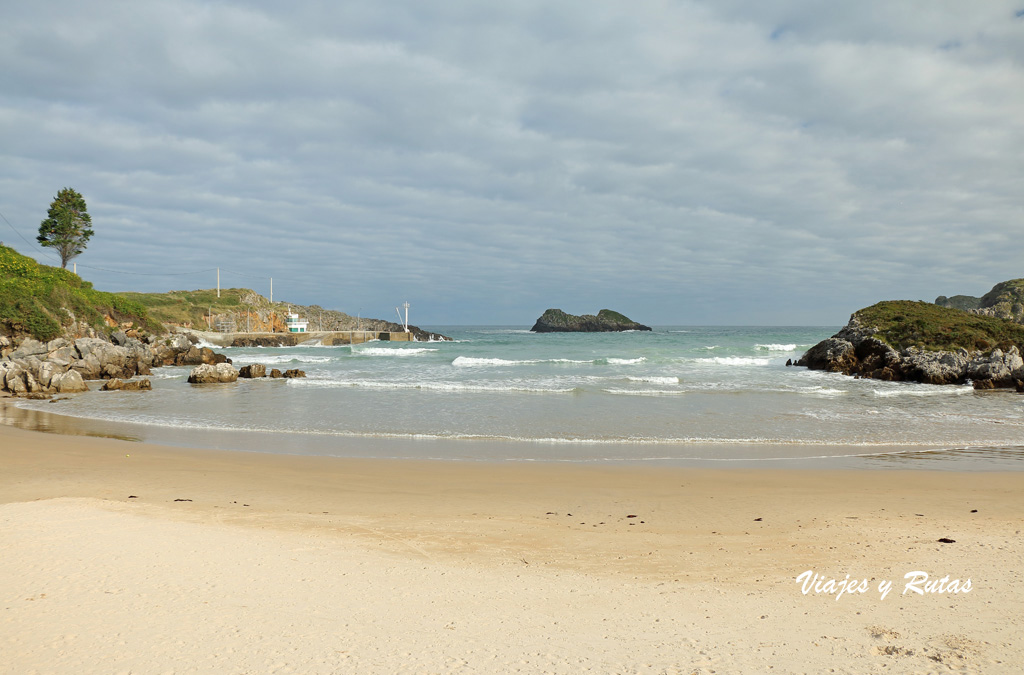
point(702, 163)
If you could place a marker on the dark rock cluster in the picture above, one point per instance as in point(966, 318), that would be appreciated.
point(606, 321)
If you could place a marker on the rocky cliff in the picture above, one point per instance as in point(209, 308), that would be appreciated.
point(1004, 301)
point(606, 321)
point(921, 342)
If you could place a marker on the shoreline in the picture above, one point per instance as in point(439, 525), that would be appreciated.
point(711, 455)
point(151, 558)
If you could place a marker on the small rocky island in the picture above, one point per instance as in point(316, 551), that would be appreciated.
point(606, 321)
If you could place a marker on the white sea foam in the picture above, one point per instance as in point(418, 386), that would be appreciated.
point(736, 361)
point(625, 362)
point(464, 361)
point(442, 386)
point(282, 358)
point(392, 351)
point(654, 379)
point(821, 391)
point(776, 348)
point(644, 392)
point(924, 390)
point(470, 361)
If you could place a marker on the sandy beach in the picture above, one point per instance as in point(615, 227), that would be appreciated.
point(122, 557)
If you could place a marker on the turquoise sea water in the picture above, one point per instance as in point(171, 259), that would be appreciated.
point(712, 396)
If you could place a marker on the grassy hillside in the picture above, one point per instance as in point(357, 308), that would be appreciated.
point(903, 323)
point(42, 301)
point(192, 308)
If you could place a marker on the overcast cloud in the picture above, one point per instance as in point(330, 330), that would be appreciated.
point(682, 162)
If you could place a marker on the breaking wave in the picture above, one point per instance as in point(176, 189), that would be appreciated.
point(392, 351)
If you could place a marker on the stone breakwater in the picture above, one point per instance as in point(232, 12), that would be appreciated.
point(855, 351)
point(41, 369)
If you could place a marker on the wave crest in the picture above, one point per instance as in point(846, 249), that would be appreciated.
point(393, 351)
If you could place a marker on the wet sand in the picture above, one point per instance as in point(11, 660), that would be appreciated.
point(131, 557)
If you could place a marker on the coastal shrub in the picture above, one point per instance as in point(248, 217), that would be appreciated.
point(193, 307)
point(904, 323)
point(38, 300)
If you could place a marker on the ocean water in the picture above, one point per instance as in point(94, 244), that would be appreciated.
point(709, 396)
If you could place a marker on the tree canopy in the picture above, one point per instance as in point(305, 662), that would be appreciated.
point(67, 226)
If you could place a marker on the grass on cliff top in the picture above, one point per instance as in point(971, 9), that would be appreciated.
point(904, 323)
point(613, 316)
point(192, 307)
point(39, 300)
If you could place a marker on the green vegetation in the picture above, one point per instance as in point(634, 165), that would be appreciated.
point(613, 317)
point(67, 226)
point(193, 307)
point(903, 323)
point(964, 302)
point(41, 301)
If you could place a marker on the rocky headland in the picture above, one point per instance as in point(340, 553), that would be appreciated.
point(57, 332)
point(924, 342)
point(606, 321)
point(1004, 301)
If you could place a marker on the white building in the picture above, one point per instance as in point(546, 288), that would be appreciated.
point(294, 323)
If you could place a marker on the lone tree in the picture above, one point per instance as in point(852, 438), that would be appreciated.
point(67, 226)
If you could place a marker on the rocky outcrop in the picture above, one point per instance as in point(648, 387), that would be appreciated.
point(606, 321)
point(209, 374)
point(118, 384)
point(251, 371)
point(63, 365)
point(855, 350)
point(294, 372)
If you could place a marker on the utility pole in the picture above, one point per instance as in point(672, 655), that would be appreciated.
point(218, 282)
point(271, 290)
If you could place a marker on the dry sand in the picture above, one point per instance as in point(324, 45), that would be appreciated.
point(121, 557)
